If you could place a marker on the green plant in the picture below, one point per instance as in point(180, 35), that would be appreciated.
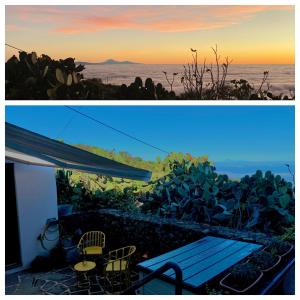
point(244, 274)
point(63, 185)
point(289, 234)
point(278, 247)
point(188, 191)
point(192, 190)
point(212, 291)
point(263, 260)
point(186, 188)
point(33, 77)
point(267, 202)
point(87, 192)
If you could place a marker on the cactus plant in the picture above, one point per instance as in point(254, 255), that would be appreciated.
point(33, 77)
point(194, 191)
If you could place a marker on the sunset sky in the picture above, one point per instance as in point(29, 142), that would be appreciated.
point(153, 34)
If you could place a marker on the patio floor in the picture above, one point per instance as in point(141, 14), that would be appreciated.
point(56, 282)
point(65, 282)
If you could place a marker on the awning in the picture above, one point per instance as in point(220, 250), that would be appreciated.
point(27, 147)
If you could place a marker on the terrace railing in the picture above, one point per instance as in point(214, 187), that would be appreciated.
point(169, 265)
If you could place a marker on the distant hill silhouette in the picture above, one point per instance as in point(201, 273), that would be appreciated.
point(107, 62)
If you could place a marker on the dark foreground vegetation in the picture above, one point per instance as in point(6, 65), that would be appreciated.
point(29, 77)
point(187, 189)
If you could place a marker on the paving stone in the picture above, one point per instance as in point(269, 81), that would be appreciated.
point(39, 282)
point(49, 285)
point(26, 290)
point(74, 288)
point(97, 293)
point(54, 276)
point(11, 279)
point(57, 289)
point(26, 281)
point(10, 289)
point(70, 281)
point(66, 271)
point(93, 279)
point(96, 288)
point(82, 292)
point(56, 282)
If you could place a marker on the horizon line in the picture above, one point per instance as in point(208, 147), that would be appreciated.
point(143, 63)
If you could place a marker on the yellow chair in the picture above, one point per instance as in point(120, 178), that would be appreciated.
point(92, 243)
point(116, 267)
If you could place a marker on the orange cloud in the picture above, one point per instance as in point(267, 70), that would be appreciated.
point(170, 18)
point(163, 18)
point(98, 23)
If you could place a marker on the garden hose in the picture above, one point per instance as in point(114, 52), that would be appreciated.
point(43, 236)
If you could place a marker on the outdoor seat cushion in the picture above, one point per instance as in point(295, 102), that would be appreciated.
point(119, 265)
point(93, 250)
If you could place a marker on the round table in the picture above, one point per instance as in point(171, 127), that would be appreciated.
point(83, 267)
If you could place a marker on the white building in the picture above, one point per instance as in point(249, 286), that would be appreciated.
point(30, 188)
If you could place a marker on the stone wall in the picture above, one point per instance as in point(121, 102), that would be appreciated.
point(152, 235)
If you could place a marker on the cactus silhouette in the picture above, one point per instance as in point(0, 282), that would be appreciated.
point(139, 82)
point(149, 89)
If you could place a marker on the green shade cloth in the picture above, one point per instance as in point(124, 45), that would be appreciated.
point(25, 146)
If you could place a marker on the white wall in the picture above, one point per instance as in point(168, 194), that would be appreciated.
point(36, 202)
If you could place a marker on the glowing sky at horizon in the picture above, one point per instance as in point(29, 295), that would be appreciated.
point(154, 34)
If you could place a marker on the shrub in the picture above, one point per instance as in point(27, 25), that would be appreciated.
point(189, 189)
point(81, 194)
point(289, 234)
point(194, 191)
point(278, 247)
point(202, 82)
point(263, 260)
point(242, 275)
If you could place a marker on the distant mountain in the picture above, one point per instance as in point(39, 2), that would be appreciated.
point(107, 62)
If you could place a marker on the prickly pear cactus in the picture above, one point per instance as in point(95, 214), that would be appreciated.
point(31, 77)
point(195, 191)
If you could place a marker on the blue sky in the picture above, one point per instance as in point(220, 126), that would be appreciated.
point(251, 133)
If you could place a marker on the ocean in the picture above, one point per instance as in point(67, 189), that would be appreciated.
point(238, 169)
point(281, 77)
